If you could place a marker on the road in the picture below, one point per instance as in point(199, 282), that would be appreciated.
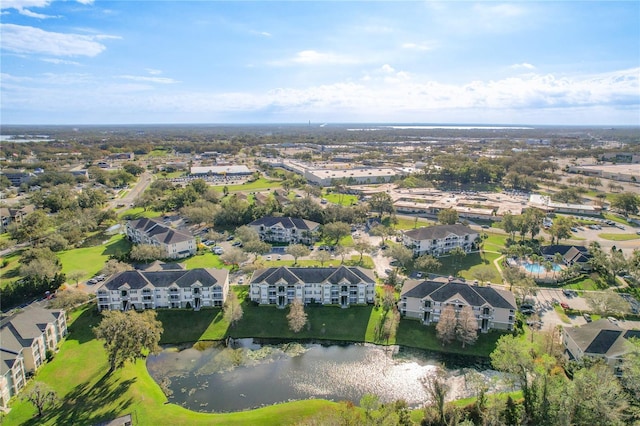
point(143, 182)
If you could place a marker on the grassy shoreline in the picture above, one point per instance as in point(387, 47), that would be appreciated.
point(88, 395)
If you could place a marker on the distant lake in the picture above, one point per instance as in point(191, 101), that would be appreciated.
point(250, 375)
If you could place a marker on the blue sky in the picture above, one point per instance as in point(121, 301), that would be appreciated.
point(126, 62)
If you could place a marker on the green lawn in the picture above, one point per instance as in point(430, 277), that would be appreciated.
point(619, 237)
point(11, 272)
point(90, 395)
point(464, 267)
point(92, 259)
point(366, 263)
point(405, 223)
point(414, 334)
point(261, 184)
point(342, 199)
point(138, 213)
point(206, 260)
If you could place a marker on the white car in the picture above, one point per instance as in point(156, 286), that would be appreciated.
point(268, 257)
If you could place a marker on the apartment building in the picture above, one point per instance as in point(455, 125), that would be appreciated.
point(440, 239)
point(343, 286)
point(177, 244)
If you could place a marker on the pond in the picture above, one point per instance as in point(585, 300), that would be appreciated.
point(249, 374)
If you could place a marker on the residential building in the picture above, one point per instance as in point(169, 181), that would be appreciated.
point(11, 214)
point(341, 285)
point(571, 255)
point(286, 229)
point(24, 340)
point(176, 244)
point(151, 289)
point(18, 177)
point(440, 239)
point(599, 339)
point(424, 300)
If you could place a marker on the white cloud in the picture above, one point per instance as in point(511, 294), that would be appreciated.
point(27, 12)
point(59, 61)
point(313, 57)
point(386, 68)
point(382, 96)
point(153, 71)
point(88, 2)
point(21, 4)
point(261, 33)
point(419, 46)
point(159, 80)
point(25, 39)
point(524, 65)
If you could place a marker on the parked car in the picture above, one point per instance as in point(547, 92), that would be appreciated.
point(526, 306)
point(613, 320)
point(564, 305)
point(586, 317)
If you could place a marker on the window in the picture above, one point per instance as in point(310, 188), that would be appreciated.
point(427, 304)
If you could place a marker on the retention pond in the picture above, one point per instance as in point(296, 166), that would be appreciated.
point(249, 374)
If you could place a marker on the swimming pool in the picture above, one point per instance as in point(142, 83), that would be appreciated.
point(536, 268)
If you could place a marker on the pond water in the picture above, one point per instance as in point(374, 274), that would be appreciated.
point(249, 375)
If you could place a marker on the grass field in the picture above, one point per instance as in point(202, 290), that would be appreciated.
point(89, 394)
point(11, 272)
point(342, 199)
point(619, 237)
point(139, 212)
point(206, 260)
point(464, 267)
point(92, 259)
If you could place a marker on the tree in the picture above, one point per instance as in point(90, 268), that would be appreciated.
point(41, 395)
point(246, 233)
point(297, 317)
point(361, 246)
point(146, 253)
point(322, 256)
point(631, 369)
point(606, 302)
point(467, 326)
point(342, 251)
point(33, 227)
point(234, 256)
point(401, 254)
point(256, 247)
point(427, 263)
point(597, 396)
point(446, 326)
point(458, 254)
point(485, 273)
point(627, 203)
point(382, 203)
point(75, 276)
point(381, 231)
point(336, 230)
point(369, 403)
point(437, 388)
point(560, 229)
point(68, 299)
point(128, 335)
point(40, 268)
point(448, 216)
point(509, 224)
point(233, 311)
point(114, 266)
point(297, 251)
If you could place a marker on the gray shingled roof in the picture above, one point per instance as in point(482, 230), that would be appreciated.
point(333, 275)
point(441, 291)
point(7, 358)
point(438, 232)
point(159, 279)
point(285, 222)
point(159, 231)
point(601, 337)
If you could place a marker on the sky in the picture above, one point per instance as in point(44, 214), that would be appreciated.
point(161, 62)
